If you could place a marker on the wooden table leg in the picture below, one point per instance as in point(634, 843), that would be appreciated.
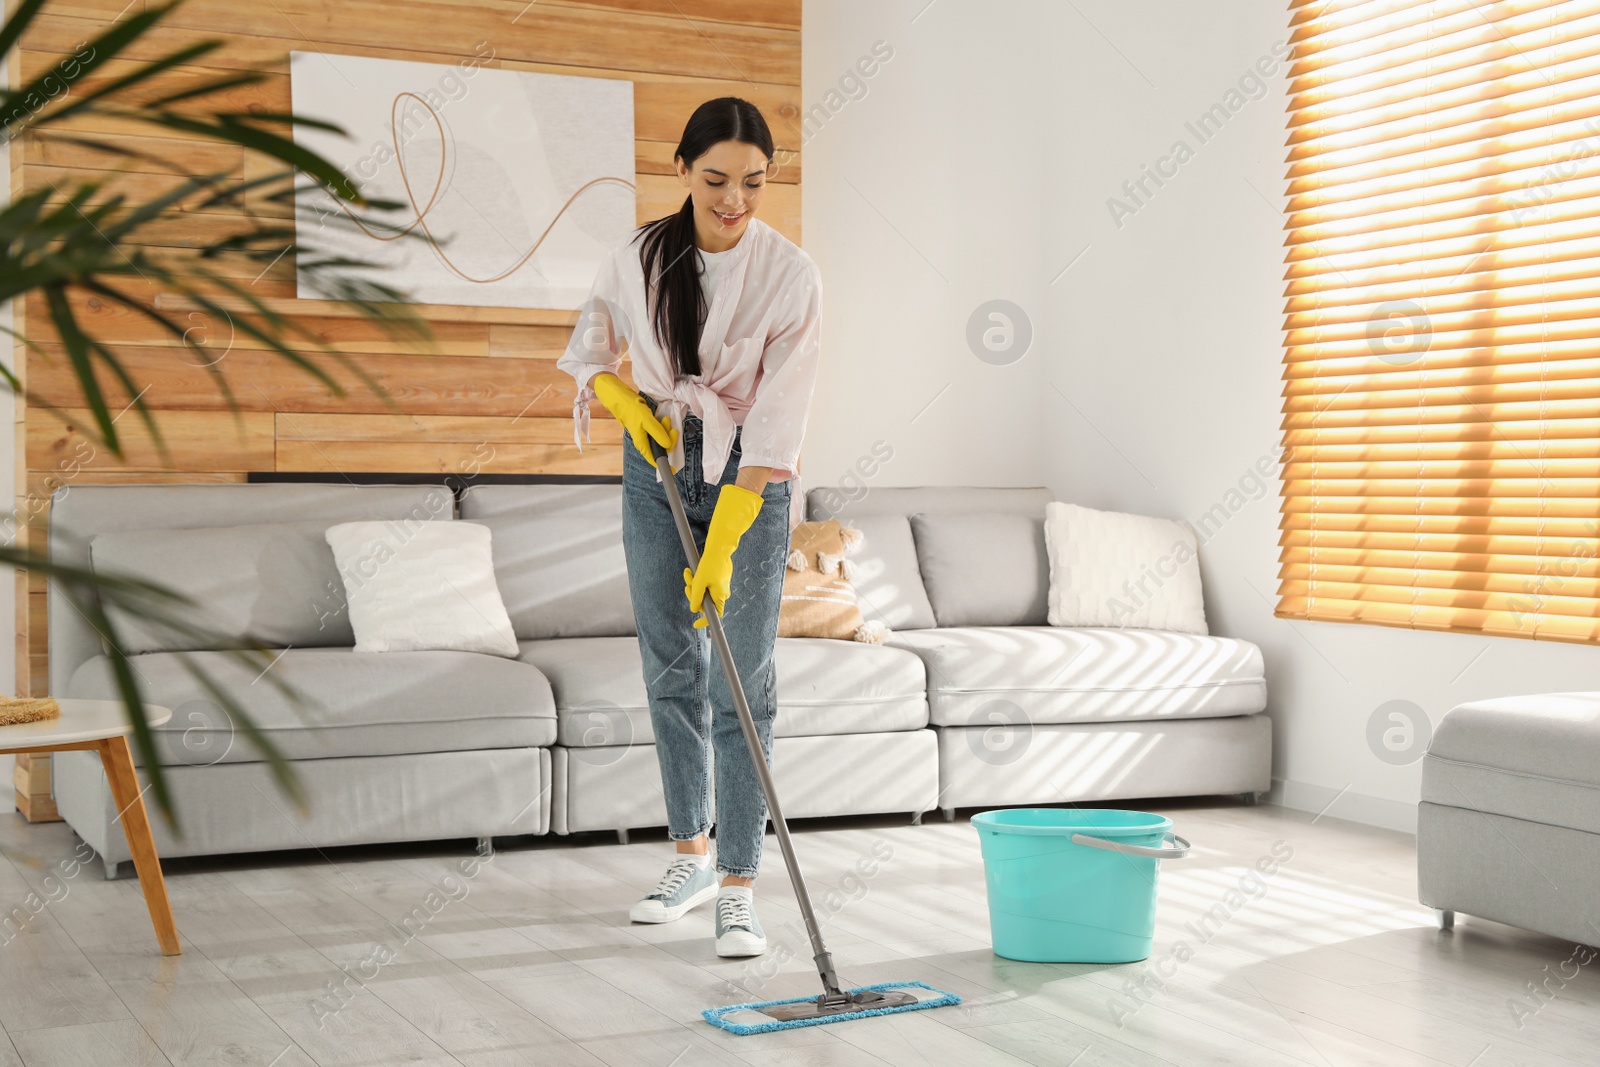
point(118, 761)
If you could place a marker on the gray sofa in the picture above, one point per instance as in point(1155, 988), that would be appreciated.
point(1028, 713)
point(1508, 827)
point(407, 746)
point(436, 745)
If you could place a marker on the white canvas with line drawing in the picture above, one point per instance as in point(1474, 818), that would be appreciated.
point(515, 184)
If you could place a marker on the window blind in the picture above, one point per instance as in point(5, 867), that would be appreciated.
point(1441, 400)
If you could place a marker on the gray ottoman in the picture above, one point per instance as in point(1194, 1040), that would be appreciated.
point(1509, 824)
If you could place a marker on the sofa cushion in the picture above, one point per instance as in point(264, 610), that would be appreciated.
point(1526, 757)
point(79, 512)
point(824, 687)
point(983, 568)
point(428, 588)
point(557, 557)
point(1108, 568)
point(889, 584)
point(1051, 674)
point(829, 502)
point(275, 581)
point(357, 703)
point(818, 598)
point(887, 581)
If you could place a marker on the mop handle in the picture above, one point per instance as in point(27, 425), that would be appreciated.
point(752, 740)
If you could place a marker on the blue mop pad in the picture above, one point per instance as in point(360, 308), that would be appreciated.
point(743, 1019)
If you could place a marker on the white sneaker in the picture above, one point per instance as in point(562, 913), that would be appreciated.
point(688, 883)
point(738, 932)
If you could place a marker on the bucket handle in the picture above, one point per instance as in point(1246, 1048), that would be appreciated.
point(1137, 850)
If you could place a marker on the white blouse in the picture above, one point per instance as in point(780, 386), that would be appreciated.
point(759, 351)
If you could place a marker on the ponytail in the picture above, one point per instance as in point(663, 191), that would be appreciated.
point(676, 303)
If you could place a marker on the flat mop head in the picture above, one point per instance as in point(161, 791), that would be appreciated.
point(860, 1003)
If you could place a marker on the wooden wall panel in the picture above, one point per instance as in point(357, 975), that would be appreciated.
point(445, 444)
point(662, 41)
point(484, 395)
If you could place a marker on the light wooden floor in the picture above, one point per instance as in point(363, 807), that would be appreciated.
point(532, 961)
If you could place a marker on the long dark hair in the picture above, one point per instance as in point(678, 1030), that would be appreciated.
point(675, 301)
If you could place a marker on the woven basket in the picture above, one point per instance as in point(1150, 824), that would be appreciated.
point(14, 710)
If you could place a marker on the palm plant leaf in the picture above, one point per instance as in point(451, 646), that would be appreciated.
point(20, 19)
point(87, 239)
point(101, 598)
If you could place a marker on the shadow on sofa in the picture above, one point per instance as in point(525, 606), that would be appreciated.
point(433, 745)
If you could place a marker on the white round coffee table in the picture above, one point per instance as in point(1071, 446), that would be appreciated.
point(102, 726)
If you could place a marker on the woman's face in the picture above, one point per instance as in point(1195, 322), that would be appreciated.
point(726, 185)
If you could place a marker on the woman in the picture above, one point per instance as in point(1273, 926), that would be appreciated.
point(724, 342)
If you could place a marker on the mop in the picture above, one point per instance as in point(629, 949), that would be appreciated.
point(832, 1005)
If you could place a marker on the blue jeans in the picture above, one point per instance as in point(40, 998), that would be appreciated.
point(679, 669)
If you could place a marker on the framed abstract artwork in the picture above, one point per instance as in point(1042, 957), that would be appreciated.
point(512, 184)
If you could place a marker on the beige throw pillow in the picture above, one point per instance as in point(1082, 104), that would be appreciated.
point(818, 599)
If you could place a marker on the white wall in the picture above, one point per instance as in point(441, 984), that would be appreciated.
point(921, 201)
point(997, 134)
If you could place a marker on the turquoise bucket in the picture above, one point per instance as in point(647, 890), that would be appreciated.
point(1073, 885)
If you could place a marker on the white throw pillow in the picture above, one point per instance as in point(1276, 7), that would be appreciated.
point(414, 586)
point(1108, 568)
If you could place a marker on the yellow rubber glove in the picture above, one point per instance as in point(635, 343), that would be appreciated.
point(735, 511)
point(629, 408)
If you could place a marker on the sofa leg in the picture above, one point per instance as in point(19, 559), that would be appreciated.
point(622, 837)
point(916, 818)
point(1250, 799)
point(1445, 918)
point(486, 847)
point(949, 814)
point(111, 870)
